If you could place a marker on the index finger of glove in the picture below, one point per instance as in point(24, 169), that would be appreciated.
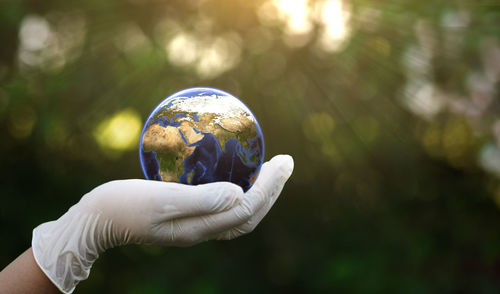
point(164, 201)
point(271, 181)
point(273, 177)
point(180, 201)
point(191, 230)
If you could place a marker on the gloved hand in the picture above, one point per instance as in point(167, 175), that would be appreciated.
point(150, 212)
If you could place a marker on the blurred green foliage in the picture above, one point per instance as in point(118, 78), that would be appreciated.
point(390, 109)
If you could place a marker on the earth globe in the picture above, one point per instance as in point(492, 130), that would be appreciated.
point(202, 135)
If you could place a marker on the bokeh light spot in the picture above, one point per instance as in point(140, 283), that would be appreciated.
point(132, 40)
point(431, 139)
point(51, 46)
point(334, 16)
point(22, 121)
point(489, 159)
point(221, 55)
point(381, 46)
point(209, 56)
point(295, 13)
point(367, 128)
point(119, 132)
point(456, 138)
point(183, 50)
point(35, 33)
point(318, 126)
point(424, 98)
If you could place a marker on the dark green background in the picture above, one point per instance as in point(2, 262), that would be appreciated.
point(382, 200)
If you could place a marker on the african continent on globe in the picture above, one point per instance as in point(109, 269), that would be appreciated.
point(202, 135)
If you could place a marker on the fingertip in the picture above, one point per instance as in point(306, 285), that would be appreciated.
point(284, 162)
point(229, 195)
point(274, 174)
point(230, 190)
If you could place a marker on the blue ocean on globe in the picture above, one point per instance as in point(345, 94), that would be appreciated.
point(202, 135)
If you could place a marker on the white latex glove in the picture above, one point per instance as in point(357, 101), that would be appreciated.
point(151, 212)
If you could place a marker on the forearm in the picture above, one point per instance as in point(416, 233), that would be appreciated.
point(24, 276)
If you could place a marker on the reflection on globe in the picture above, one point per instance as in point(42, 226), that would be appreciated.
point(202, 135)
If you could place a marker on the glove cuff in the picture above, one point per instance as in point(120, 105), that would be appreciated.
point(65, 249)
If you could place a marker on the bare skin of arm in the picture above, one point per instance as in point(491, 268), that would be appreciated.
point(23, 276)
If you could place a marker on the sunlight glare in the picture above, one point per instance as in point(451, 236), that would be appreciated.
point(219, 56)
point(334, 17)
point(209, 56)
point(183, 50)
point(296, 15)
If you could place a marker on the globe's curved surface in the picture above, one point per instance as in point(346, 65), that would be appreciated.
point(202, 135)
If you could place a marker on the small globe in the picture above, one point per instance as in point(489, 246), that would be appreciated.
point(202, 135)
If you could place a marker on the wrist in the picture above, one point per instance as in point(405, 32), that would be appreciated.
point(66, 248)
